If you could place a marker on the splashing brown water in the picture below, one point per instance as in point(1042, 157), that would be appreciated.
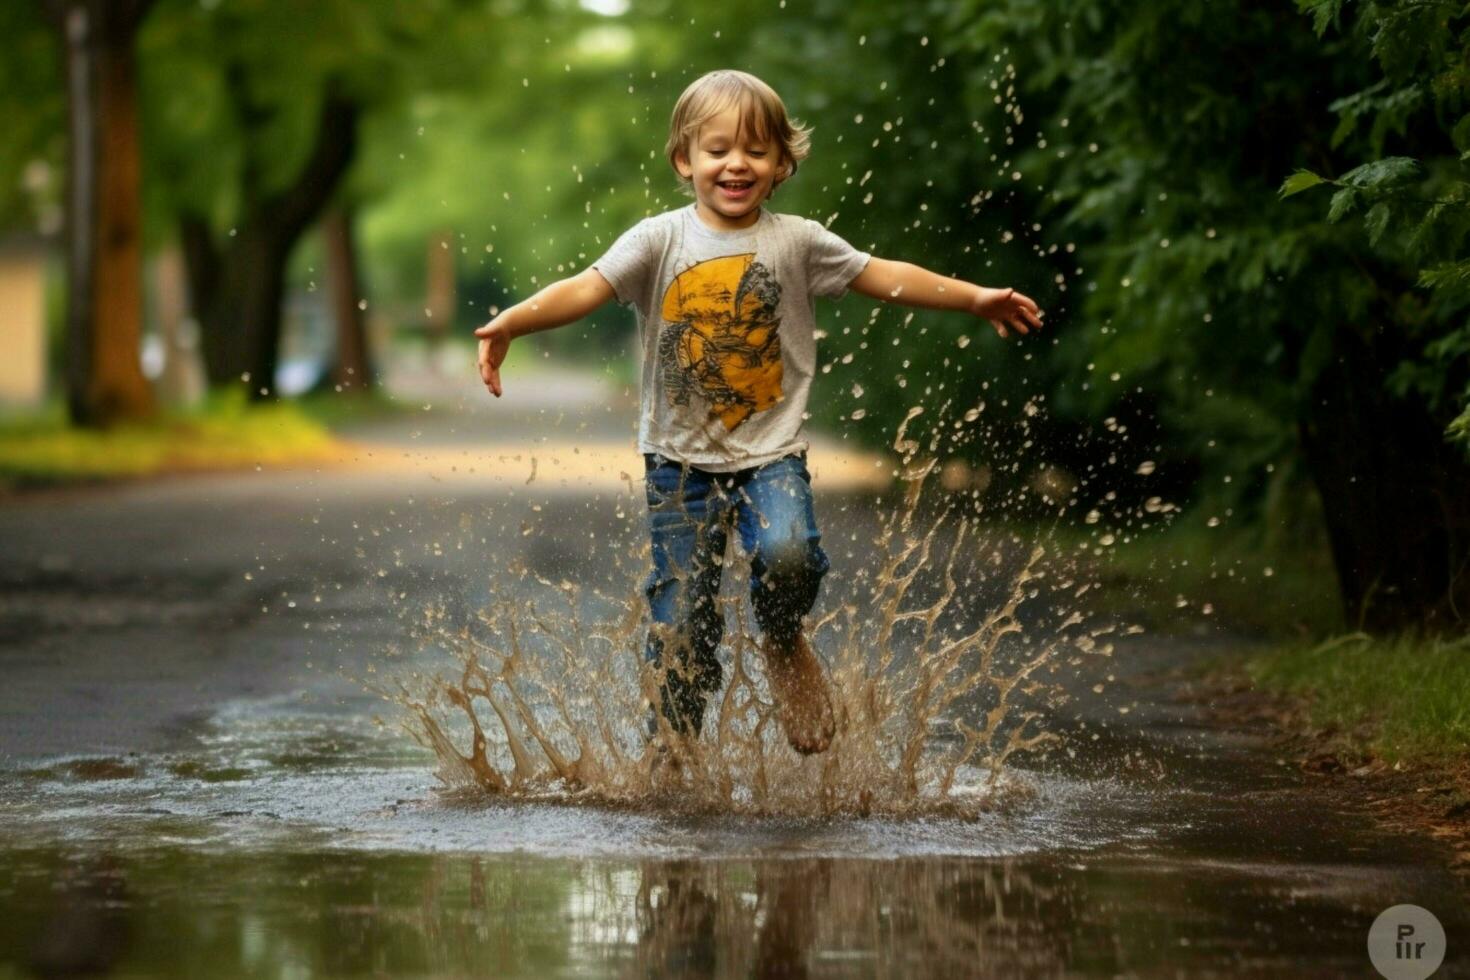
point(932, 699)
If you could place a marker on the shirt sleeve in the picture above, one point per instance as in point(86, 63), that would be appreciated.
point(831, 262)
point(628, 266)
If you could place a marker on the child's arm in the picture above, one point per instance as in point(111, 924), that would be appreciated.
point(903, 282)
point(557, 305)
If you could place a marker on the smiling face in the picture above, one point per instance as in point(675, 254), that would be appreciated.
point(732, 170)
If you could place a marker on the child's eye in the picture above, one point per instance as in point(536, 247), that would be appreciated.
point(757, 153)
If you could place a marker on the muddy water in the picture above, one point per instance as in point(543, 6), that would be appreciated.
point(932, 699)
point(201, 778)
point(934, 692)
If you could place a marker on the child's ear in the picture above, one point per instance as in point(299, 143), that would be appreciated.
point(784, 172)
point(681, 164)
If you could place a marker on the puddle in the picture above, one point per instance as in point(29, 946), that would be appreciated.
point(181, 909)
point(354, 784)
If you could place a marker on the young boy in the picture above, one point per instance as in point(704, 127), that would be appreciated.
point(724, 291)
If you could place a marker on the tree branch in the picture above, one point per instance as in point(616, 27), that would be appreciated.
point(290, 212)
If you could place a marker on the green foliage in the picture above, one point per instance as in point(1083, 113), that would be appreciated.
point(1139, 139)
point(1407, 698)
point(33, 110)
point(1146, 145)
point(1460, 427)
point(1300, 181)
point(232, 90)
point(1415, 210)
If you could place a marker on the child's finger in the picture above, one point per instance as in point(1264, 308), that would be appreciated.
point(998, 328)
point(1033, 318)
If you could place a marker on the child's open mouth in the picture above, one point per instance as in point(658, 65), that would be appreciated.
point(736, 188)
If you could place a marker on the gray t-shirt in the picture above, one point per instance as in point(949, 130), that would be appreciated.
point(727, 326)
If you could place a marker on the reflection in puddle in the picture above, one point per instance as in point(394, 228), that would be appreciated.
point(799, 918)
point(448, 914)
point(192, 911)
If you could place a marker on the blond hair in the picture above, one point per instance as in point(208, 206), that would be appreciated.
point(761, 111)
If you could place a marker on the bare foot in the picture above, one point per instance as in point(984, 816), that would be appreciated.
point(803, 705)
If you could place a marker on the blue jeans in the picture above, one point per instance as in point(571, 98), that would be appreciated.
point(689, 515)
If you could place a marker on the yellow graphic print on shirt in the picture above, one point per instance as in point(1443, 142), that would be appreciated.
point(721, 338)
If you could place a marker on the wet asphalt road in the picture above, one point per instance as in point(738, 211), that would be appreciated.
point(129, 614)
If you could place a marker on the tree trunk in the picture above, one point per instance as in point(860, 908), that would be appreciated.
point(240, 316)
point(104, 317)
point(238, 287)
point(352, 370)
point(1395, 494)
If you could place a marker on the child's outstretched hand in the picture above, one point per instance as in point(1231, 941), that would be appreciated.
point(494, 342)
point(1007, 308)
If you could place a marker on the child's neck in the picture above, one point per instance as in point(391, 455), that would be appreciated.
point(719, 222)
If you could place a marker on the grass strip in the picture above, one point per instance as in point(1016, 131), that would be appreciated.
point(225, 433)
point(1405, 698)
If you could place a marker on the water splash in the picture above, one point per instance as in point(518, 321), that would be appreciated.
point(933, 695)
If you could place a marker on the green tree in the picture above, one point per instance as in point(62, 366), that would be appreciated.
point(1415, 211)
point(261, 108)
point(1165, 134)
